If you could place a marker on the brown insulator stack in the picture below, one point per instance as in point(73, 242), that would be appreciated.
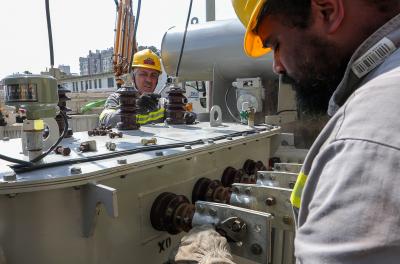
point(245, 175)
point(210, 191)
point(172, 213)
point(251, 166)
point(231, 175)
point(127, 111)
point(176, 106)
point(62, 104)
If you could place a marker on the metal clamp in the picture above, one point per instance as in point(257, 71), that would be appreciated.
point(248, 230)
point(233, 228)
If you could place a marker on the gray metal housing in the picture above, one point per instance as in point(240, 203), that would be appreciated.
point(99, 211)
point(214, 52)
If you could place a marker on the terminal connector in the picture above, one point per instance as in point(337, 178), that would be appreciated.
point(65, 151)
point(151, 141)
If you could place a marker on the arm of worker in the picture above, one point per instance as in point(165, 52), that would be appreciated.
point(351, 213)
point(203, 245)
point(109, 116)
point(150, 109)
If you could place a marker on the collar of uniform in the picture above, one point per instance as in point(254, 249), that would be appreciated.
point(350, 81)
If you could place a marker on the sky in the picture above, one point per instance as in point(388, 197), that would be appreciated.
point(82, 25)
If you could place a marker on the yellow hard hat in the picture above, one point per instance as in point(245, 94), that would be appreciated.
point(146, 59)
point(248, 12)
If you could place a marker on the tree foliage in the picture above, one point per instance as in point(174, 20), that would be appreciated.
point(152, 48)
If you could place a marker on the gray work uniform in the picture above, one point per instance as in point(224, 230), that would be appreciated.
point(347, 198)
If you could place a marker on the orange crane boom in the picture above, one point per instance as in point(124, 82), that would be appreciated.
point(124, 41)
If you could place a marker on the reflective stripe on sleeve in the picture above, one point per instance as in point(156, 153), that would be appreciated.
point(295, 197)
point(152, 116)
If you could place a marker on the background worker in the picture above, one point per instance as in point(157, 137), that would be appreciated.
point(146, 70)
point(343, 57)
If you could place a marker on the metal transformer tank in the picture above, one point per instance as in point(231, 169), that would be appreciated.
point(93, 206)
point(214, 52)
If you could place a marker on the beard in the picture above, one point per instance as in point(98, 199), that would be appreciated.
point(318, 71)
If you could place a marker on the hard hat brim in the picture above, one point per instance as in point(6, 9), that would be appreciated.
point(146, 67)
point(253, 45)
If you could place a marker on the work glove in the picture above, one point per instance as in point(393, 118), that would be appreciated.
point(202, 245)
point(148, 103)
point(190, 118)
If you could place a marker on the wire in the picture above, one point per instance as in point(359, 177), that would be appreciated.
point(49, 33)
point(134, 32)
point(23, 168)
point(162, 89)
point(227, 106)
point(65, 118)
point(18, 161)
point(284, 111)
point(184, 39)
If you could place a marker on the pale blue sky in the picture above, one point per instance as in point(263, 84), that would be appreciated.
point(82, 25)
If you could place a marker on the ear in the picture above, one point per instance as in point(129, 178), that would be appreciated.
point(329, 12)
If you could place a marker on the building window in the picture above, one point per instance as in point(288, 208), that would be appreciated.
point(110, 82)
point(99, 83)
point(90, 84)
point(95, 83)
point(86, 85)
point(81, 85)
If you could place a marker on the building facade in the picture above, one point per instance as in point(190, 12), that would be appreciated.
point(96, 62)
point(102, 82)
point(65, 69)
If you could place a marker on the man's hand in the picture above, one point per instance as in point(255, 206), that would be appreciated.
point(203, 245)
point(148, 102)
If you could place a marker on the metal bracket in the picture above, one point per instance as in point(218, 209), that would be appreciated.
point(255, 228)
point(215, 122)
point(288, 167)
point(276, 179)
point(273, 200)
point(94, 195)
